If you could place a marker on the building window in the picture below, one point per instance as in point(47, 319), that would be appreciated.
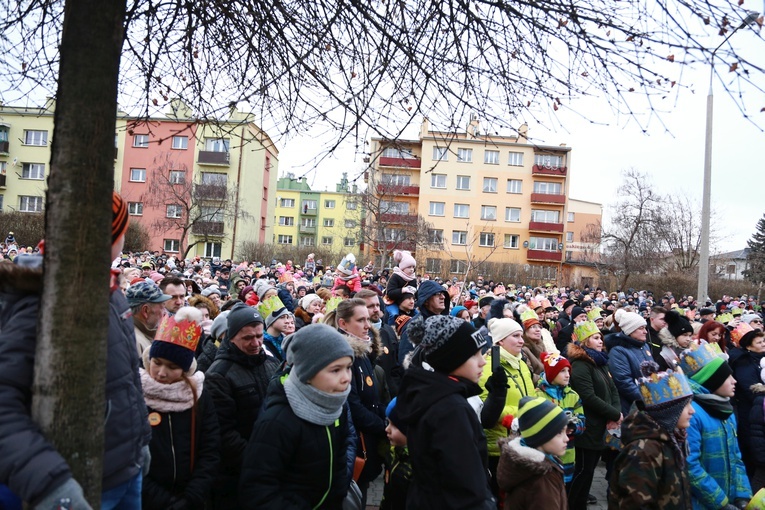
point(30, 204)
point(486, 239)
point(329, 222)
point(515, 186)
point(309, 205)
point(513, 214)
point(461, 210)
point(349, 241)
point(731, 269)
point(433, 265)
point(440, 154)
point(174, 210)
point(216, 144)
point(137, 175)
point(512, 241)
point(329, 204)
point(212, 250)
point(543, 243)
point(135, 208)
point(141, 141)
point(548, 160)
point(394, 234)
point(350, 223)
point(33, 171)
point(463, 182)
point(459, 237)
point(33, 137)
point(351, 205)
point(515, 159)
point(489, 185)
point(211, 213)
point(172, 245)
point(489, 212)
point(438, 180)
point(547, 188)
point(393, 207)
point(308, 222)
point(180, 142)
point(543, 216)
point(177, 176)
point(395, 180)
point(491, 157)
point(435, 236)
point(286, 221)
point(436, 208)
point(287, 202)
point(569, 237)
point(465, 155)
point(284, 239)
point(307, 241)
point(393, 152)
point(570, 217)
point(1, 202)
point(458, 266)
point(214, 179)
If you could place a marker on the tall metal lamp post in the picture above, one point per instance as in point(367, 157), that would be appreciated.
point(703, 288)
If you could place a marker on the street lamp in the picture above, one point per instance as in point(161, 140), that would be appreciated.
point(702, 291)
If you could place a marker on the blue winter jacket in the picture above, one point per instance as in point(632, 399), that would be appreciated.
point(625, 354)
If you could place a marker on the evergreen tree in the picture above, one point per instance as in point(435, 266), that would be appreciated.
point(756, 256)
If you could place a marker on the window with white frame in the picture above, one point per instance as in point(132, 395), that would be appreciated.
point(213, 250)
point(547, 188)
point(435, 236)
point(135, 208)
point(548, 160)
point(350, 223)
point(180, 142)
point(457, 266)
point(329, 204)
point(489, 212)
point(486, 239)
point(326, 240)
point(393, 207)
point(171, 245)
point(30, 204)
point(287, 202)
point(515, 186)
point(491, 157)
point(214, 179)
point(351, 205)
point(569, 237)
point(438, 180)
point(137, 175)
point(433, 265)
point(465, 155)
point(177, 176)
point(545, 216)
point(286, 221)
point(513, 214)
point(570, 217)
point(459, 237)
point(307, 240)
point(284, 239)
point(461, 210)
point(141, 141)
point(329, 222)
point(512, 241)
point(35, 137)
point(543, 243)
point(393, 152)
point(33, 171)
point(308, 222)
point(463, 182)
point(309, 205)
point(174, 210)
point(515, 159)
point(436, 208)
point(394, 234)
point(216, 144)
point(395, 179)
point(440, 154)
point(349, 241)
point(489, 184)
point(3, 166)
point(211, 213)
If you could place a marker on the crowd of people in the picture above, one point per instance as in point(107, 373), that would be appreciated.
point(281, 385)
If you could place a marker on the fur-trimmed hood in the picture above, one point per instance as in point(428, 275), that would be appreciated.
point(523, 463)
point(758, 389)
point(16, 279)
point(361, 348)
point(669, 340)
point(303, 315)
point(576, 352)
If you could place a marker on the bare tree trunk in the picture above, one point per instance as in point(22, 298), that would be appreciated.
point(70, 365)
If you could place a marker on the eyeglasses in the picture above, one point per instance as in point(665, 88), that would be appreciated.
point(756, 321)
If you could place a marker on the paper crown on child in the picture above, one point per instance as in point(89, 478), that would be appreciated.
point(529, 317)
point(332, 303)
point(271, 309)
point(724, 318)
point(705, 366)
point(741, 330)
point(595, 313)
point(546, 303)
point(347, 265)
point(662, 387)
point(176, 341)
point(736, 311)
point(585, 330)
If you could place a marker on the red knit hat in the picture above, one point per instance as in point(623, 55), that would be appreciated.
point(554, 363)
point(119, 217)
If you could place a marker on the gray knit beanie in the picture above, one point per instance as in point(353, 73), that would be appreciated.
point(312, 348)
point(261, 287)
point(240, 316)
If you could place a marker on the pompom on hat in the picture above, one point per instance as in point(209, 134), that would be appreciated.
point(404, 259)
point(448, 342)
point(539, 420)
point(177, 337)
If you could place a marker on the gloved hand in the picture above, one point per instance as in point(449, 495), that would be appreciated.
point(497, 382)
point(67, 495)
point(494, 404)
point(740, 503)
point(146, 462)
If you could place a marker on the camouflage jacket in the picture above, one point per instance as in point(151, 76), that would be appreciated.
point(648, 474)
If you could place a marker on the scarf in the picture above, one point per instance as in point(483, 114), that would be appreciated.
point(170, 398)
point(511, 359)
point(599, 357)
point(717, 406)
point(397, 270)
point(312, 405)
point(377, 325)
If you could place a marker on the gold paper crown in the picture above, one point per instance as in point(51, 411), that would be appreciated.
point(269, 306)
point(662, 387)
point(585, 330)
point(332, 303)
point(529, 315)
point(185, 333)
point(594, 313)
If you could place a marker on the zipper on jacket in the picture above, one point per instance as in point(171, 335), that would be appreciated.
point(331, 464)
point(172, 445)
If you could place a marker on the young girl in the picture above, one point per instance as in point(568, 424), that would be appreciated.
point(184, 427)
point(398, 466)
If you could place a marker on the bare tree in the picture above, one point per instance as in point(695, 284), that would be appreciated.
point(679, 229)
point(468, 259)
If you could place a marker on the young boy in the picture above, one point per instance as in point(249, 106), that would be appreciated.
point(529, 469)
point(553, 386)
point(398, 468)
point(717, 473)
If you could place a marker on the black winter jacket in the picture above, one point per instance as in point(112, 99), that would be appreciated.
point(388, 359)
point(290, 463)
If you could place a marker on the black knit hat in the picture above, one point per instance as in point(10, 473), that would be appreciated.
point(677, 324)
point(447, 341)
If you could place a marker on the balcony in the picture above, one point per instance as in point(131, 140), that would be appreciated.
point(540, 226)
point(305, 229)
point(207, 228)
point(400, 162)
point(395, 245)
point(544, 256)
point(544, 198)
point(2, 181)
point(210, 192)
point(393, 189)
point(398, 218)
point(309, 212)
point(214, 158)
point(4, 148)
point(556, 171)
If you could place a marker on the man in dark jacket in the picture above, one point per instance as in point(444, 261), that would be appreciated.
point(387, 360)
point(237, 381)
point(432, 300)
point(654, 324)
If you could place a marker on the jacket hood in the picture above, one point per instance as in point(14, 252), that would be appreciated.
point(19, 279)
point(421, 389)
point(361, 348)
point(639, 425)
point(428, 289)
point(577, 352)
point(668, 339)
point(622, 340)
point(303, 315)
point(758, 389)
point(523, 462)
